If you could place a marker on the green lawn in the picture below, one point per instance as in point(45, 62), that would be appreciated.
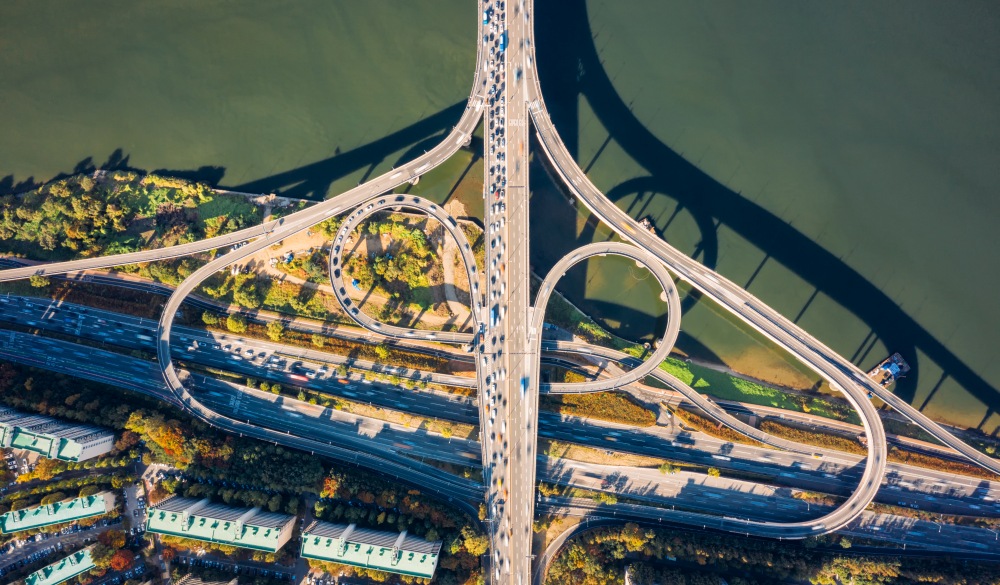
point(723, 386)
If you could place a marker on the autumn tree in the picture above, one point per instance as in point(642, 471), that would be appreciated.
point(39, 281)
point(121, 560)
point(236, 323)
point(275, 329)
point(112, 538)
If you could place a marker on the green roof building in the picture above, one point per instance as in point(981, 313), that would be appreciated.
point(52, 438)
point(360, 547)
point(62, 570)
point(58, 513)
point(203, 520)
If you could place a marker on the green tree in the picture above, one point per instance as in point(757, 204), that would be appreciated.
point(209, 318)
point(845, 542)
point(245, 292)
point(236, 323)
point(101, 555)
point(668, 468)
point(382, 352)
point(274, 504)
point(318, 340)
point(714, 472)
point(275, 329)
point(39, 281)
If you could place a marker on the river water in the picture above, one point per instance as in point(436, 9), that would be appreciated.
point(305, 96)
point(841, 160)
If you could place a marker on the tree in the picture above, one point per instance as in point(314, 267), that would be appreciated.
point(381, 352)
point(53, 498)
point(318, 340)
point(89, 490)
point(112, 538)
point(714, 472)
point(275, 329)
point(101, 555)
point(39, 281)
point(274, 504)
point(169, 554)
point(845, 542)
point(668, 468)
point(209, 318)
point(475, 544)
point(245, 293)
point(236, 323)
point(121, 560)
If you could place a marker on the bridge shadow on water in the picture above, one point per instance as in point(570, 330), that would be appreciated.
point(570, 67)
point(311, 181)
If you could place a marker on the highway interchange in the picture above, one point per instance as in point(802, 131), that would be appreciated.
point(506, 338)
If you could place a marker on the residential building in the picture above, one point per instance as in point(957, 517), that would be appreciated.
point(53, 438)
point(57, 513)
point(62, 570)
point(361, 547)
point(203, 520)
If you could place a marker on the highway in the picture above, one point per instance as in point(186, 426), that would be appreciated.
point(697, 493)
point(818, 470)
point(518, 452)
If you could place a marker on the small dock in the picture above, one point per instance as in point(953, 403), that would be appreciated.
point(889, 370)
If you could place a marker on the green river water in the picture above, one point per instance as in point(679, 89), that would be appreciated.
point(840, 160)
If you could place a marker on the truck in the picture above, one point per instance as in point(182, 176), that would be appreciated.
point(503, 40)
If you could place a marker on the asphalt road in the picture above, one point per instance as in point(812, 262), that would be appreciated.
point(696, 492)
point(831, 471)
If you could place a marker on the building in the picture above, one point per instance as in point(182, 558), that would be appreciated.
point(203, 520)
point(62, 570)
point(360, 547)
point(58, 513)
point(53, 438)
